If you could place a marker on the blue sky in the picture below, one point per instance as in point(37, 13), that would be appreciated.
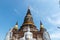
point(47, 11)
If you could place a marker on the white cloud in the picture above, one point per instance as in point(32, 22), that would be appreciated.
point(54, 19)
point(55, 35)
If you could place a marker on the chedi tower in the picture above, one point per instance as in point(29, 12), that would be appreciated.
point(28, 30)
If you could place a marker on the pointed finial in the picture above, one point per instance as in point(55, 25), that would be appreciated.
point(17, 23)
point(41, 25)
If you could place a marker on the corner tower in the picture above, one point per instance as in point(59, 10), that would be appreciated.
point(44, 33)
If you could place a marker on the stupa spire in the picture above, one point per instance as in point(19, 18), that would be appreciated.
point(28, 18)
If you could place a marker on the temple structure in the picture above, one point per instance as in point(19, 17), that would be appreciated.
point(28, 30)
